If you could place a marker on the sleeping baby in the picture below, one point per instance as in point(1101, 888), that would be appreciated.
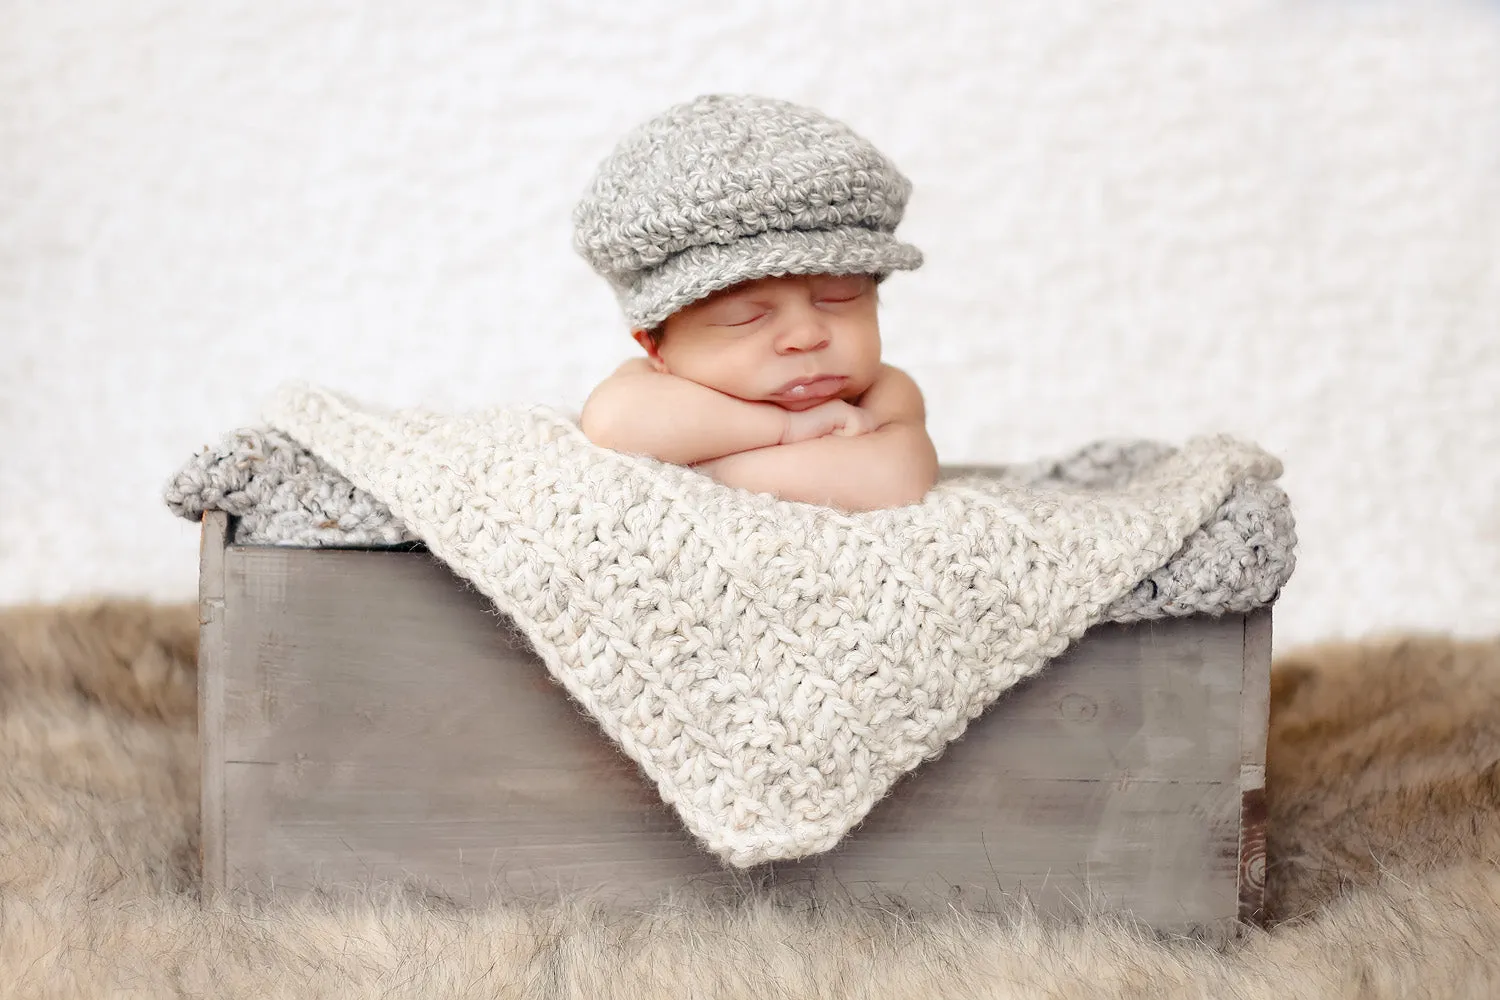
point(745, 239)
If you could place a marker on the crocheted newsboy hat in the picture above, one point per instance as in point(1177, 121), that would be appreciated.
point(727, 188)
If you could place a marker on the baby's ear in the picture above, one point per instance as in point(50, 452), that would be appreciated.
point(651, 345)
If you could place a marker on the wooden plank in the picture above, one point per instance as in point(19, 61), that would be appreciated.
point(380, 717)
point(1255, 704)
point(214, 536)
point(1155, 701)
point(1162, 850)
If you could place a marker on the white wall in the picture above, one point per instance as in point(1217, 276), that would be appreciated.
point(1149, 218)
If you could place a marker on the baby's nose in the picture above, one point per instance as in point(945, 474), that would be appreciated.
point(803, 337)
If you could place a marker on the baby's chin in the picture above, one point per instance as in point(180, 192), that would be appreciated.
point(797, 406)
point(850, 394)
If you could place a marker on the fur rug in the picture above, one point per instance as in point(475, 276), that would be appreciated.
point(1385, 818)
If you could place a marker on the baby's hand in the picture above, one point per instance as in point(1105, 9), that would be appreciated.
point(833, 417)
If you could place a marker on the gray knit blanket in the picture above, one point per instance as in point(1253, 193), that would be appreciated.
point(773, 667)
point(279, 493)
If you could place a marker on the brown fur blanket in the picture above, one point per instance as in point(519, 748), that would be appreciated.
point(1385, 818)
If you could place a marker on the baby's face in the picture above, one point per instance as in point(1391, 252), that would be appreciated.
point(796, 341)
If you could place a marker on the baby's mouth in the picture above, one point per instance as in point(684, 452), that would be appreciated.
point(816, 387)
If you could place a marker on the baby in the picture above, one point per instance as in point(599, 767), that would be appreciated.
point(744, 238)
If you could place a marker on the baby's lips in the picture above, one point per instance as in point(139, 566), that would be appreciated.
point(825, 386)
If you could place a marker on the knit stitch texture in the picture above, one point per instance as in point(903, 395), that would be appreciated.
point(726, 188)
point(772, 666)
point(279, 493)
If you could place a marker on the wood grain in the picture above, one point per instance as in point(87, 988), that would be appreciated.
point(1255, 707)
point(212, 674)
point(380, 720)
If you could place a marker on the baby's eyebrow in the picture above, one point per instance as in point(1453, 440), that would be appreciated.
point(740, 298)
point(838, 281)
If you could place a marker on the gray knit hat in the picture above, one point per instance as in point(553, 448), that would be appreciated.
point(727, 188)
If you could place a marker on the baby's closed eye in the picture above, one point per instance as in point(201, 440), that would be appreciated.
point(842, 288)
point(737, 314)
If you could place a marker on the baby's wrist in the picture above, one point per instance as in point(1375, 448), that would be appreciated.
point(787, 426)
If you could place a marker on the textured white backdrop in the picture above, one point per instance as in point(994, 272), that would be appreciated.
point(1280, 219)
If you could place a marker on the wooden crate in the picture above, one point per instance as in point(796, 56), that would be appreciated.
point(367, 715)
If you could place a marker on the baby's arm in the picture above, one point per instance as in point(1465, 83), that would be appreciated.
point(646, 412)
point(891, 466)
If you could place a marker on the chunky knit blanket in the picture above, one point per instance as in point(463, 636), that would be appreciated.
point(773, 666)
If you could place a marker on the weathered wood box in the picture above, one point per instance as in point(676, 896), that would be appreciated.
point(367, 716)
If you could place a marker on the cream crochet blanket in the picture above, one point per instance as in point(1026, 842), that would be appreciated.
point(772, 666)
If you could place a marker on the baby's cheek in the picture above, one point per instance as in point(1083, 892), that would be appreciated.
point(729, 382)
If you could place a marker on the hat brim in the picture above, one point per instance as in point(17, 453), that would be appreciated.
point(700, 271)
